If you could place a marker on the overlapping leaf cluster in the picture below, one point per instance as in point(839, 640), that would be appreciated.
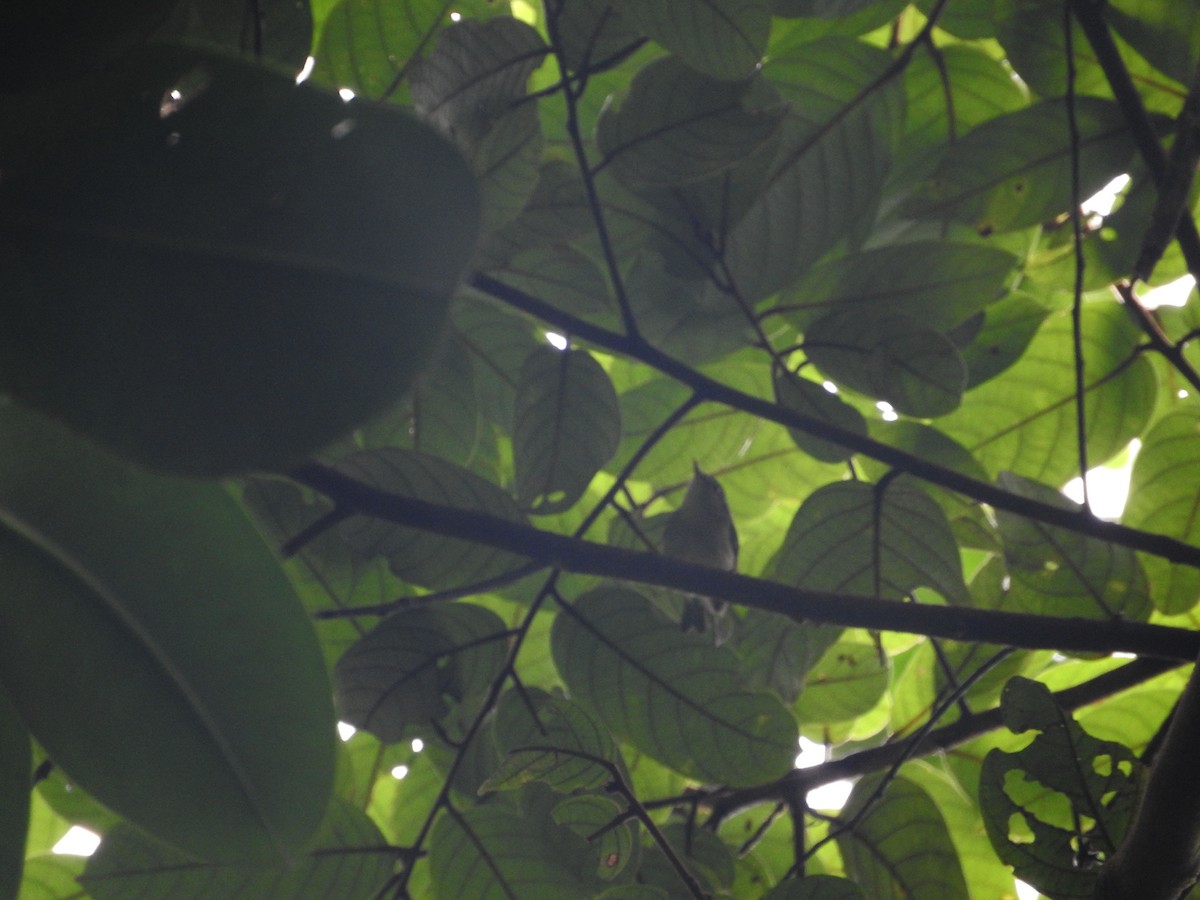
point(832, 253)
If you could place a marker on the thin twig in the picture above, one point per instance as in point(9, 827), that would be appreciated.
point(1077, 233)
point(717, 392)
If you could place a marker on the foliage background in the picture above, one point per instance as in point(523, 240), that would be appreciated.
point(830, 251)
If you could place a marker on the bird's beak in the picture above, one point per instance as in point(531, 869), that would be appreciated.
point(696, 468)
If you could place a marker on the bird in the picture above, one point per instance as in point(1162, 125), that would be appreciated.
point(702, 531)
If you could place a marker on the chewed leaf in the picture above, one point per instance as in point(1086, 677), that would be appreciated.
point(1063, 801)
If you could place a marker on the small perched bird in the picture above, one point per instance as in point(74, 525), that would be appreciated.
point(702, 531)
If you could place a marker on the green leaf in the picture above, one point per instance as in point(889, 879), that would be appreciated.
point(1033, 34)
point(563, 277)
point(51, 877)
point(590, 32)
point(1065, 796)
point(369, 45)
point(941, 283)
point(474, 75)
point(499, 342)
point(980, 88)
point(700, 850)
point(834, 156)
point(685, 318)
point(149, 244)
point(493, 853)
point(423, 557)
point(845, 538)
point(893, 357)
point(1008, 327)
point(1061, 573)
point(282, 32)
point(194, 665)
point(564, 748)
point(672, 695)
point(568, 425)
point(1164, 491)
point(777, 652)
point(902, 846)
point(848, 681)
point(1015, 170)
point(440, 414)
point(557, 211)
point(592, 817)
point(676, 127)
point(811, 399)
point(349, 860)
point(414, 665)
point(723, 39)
point(815, 887)
point(1023, 420)
point(16, 763)
point(1165, 33)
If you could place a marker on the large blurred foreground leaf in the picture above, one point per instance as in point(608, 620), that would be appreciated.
point(211, 269)
point(155, 649)
point(350, 861)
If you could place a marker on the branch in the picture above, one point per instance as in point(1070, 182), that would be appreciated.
point(588, 558)
point(1160, 855)
point(1088, 13)
point(968, 728)
point(1080, 522)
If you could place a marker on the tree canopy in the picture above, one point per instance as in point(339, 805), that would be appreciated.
point(363, 396)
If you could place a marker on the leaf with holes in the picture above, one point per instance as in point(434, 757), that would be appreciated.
point(568, 425)
point(845, 538)
point(415, 665)
point(423, 557)
point(1050, 807)
point(349, 860)
point(672, 695)
point(901, 846)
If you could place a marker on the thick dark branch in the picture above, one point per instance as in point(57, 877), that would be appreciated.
point(968, 728)
point(585, 557)
point(1080, 522)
